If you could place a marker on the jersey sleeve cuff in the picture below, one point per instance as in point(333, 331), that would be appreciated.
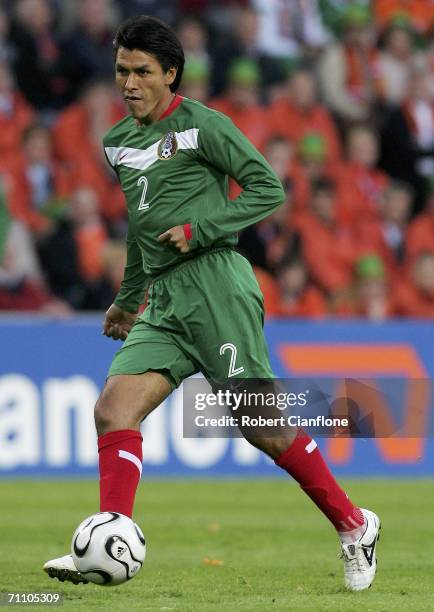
point(190, 235)
point(188, 232)
point(126, 305)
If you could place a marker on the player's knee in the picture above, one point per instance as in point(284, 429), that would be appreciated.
point(107, 414)
point(103, 419)
point(117, 409)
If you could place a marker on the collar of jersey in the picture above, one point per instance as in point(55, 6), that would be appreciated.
point(176, 101)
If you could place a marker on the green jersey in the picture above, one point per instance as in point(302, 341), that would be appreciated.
point(175, 172)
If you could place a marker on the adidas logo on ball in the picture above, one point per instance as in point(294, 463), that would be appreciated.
point(120, 550)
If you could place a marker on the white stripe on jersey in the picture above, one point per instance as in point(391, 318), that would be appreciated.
point(141, 159)
point(188, 139)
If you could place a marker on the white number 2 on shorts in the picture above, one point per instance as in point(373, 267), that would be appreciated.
point(233, 371)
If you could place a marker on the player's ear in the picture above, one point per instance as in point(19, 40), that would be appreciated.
point(170, 76)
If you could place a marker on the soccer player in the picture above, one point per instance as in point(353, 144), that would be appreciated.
point(173, 157)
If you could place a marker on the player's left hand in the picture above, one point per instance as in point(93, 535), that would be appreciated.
point(176, 237)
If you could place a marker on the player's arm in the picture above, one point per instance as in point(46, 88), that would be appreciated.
point(122, 314)
point(223, 146)
point(135, 282)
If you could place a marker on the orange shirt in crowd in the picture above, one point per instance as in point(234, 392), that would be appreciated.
point(420, 13)
point(311, 303)
point(362, 74)
point(270, 291)
point(84, 157)
point(12, 126)
point(420, 235)
point(251, 120)
point(330, 252)
point(277, 246)
point(72, 137)
point(90, 242)
point(18, 192)
point(286, 120)
point(301, 191)
point(409, 301)
point(370, 238)
point(105, 183)
point(301, 186)
point(359, 191)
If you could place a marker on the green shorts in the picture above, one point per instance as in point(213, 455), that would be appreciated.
point(206, 315)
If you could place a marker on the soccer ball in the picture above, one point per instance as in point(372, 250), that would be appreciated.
point(108, 548)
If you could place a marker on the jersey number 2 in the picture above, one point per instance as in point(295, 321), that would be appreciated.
point(233, 371)
point(143, 181)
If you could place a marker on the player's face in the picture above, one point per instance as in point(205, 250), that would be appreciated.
point(142, 82)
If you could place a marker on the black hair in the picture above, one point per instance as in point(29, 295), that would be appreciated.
point(155, 37)
point(320, 185)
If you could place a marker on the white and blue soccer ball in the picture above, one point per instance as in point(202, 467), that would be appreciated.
point(108, 548)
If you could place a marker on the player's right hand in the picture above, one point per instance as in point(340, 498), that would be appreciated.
point(118, 323)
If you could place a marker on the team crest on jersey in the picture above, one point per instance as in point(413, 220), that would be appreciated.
point(168, 146)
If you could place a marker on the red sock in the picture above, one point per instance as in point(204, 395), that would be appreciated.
point(303, 461)
point(120, 469)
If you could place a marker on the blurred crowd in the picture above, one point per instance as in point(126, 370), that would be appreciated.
point(338, 96)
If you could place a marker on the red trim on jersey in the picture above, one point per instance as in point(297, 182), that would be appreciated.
point(172, 106)
point(188, 232)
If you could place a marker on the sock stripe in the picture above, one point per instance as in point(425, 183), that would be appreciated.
point(311, 446)
point(304, 462)
point(353, 522)
point(130, 457)
point(358, 516)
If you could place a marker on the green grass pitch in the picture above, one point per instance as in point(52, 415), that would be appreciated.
point(276, 550)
